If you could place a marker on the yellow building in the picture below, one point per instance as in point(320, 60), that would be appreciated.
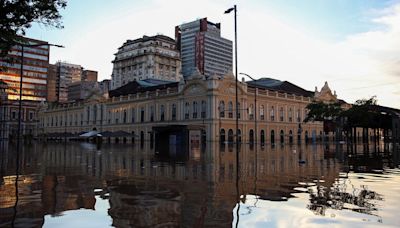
point(200, 108)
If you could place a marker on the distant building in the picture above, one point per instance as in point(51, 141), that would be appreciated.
point(34, 87)
point(202, 47)
point(66, 74)
point(36, 61)
point(105, 86)
point(52, 83)
point(149, 57)
point(82, 90)
point(89, 75)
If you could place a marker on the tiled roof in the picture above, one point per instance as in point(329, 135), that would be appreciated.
point(277, 85)
point(141, 86)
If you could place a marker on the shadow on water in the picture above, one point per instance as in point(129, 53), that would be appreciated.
point(207, 186)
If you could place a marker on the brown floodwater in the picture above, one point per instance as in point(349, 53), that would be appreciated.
point(79, 184)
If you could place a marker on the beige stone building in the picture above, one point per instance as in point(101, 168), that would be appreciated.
point(197, 109)
point(149, 57)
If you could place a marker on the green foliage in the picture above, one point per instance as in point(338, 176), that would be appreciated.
point(319, 111)
point(18, 15)
point(363, 113)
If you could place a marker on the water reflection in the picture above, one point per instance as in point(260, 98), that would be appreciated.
point(205, 188)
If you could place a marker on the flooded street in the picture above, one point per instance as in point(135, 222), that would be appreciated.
point(80, 184)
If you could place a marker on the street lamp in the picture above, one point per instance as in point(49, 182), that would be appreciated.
point(236, 78)
point(255, 107)
point(20, 83)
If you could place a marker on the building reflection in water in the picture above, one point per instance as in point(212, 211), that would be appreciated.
point(145, 190)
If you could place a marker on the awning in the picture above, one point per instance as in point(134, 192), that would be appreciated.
point(89, 134)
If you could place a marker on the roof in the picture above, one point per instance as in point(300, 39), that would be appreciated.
point(147, 38)
point(141, 86)
point(282, 86)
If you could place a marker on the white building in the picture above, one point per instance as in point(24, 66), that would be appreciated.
point(150, 57)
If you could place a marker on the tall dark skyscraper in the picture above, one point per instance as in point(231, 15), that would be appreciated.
point(202, 47)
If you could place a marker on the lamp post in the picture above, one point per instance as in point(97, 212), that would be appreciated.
point(20, 84)
point(255, 108)
point(236, 77)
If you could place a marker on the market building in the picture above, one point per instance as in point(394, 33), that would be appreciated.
point(194, 110)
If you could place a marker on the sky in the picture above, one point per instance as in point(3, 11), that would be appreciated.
point(354, 45)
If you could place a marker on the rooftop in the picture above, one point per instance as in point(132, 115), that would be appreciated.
point(141, 86)
point(277, 85)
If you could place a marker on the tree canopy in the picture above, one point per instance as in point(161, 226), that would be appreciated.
point(18, 15)
point(319, 111)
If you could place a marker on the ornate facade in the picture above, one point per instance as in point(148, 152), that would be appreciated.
point(197, 104)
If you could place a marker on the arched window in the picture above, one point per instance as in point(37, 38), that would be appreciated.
point(162, 113)
point(290, 115)
point(239, 136)
point(290, 136)
point(222, 135)
point(230, 136)
point(187, 110)
point(203, 109)
point(281, 114)
point(262, 112)
point(306, 136)
point(116, 117)
point(262, 137)
point(221, 109)
point(124, 117)
point(173, 112)
point(272, 137)
point(251, 136)
point(230, 109)
point(251, 113)
point(282, 135)
point(195, 109)
point(272, 113)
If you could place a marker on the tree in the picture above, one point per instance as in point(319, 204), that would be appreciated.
point(319, 111)
point(18, 15)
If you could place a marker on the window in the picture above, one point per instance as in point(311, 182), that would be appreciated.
point(230, 136)
point(194, 110)
point(251, 114)
point(262, 112)
point(142, 115)
point(222, 135)
point(238, 110)
point(124, 118)
point(262, 137)
point(298, 115)
point(186, 110)
point(281, 114)
point(162, 113)
point(203, 109)
point(116, 117)
point(221, 109)
point(272, 113)
point(151, 113)
point(290, 115)
point(173, 114)
point(230, 109)
point(14, 116)
point(31, 116)
point(133, 113)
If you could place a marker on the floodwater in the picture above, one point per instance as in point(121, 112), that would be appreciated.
point(79, 184)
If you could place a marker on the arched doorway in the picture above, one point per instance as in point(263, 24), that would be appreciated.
point(230, 136)
point(222, 136)
point(290, 136)
point(272, 137)
point(262, 137)
point(251, 136)
point(282, 136)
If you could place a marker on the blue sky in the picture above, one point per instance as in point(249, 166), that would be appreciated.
point(352, 44)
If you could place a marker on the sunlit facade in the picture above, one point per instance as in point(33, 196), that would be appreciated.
point(149, 57)
point(198, 104)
